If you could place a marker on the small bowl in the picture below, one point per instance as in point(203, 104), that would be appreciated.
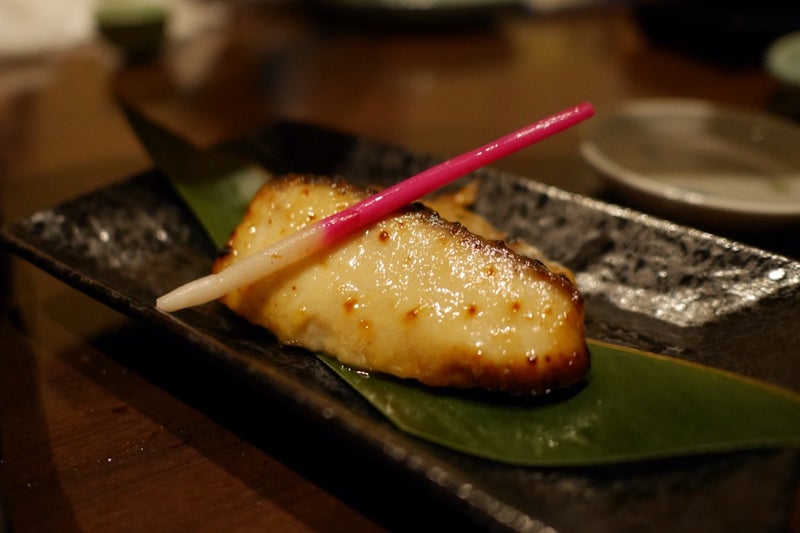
point(136, 29)
point(782, 63)
point(782, 60)
point(701, 163)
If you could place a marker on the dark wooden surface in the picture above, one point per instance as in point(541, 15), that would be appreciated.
point(97, 432)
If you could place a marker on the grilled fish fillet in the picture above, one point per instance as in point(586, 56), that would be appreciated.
point(414, 296)
point(455, 207)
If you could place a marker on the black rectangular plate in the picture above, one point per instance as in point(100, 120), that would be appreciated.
point(647, 283)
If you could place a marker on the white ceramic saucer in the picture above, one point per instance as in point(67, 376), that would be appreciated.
point(699, 162)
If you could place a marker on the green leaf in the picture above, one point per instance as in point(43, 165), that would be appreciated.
point(216, 183)
point(633, 405)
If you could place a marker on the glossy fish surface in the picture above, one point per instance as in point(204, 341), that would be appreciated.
point(414, 296)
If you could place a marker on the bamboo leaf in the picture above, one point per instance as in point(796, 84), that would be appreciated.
point(216, 183)
point(633, 406)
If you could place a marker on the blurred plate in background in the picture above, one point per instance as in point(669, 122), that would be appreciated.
point(701, 163)
point(412, 14)
point(782, 60)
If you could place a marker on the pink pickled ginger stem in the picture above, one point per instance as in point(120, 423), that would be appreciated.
point(340, 225)
point(378, 206)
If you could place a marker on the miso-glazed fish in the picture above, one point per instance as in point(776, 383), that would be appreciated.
point(414, 296)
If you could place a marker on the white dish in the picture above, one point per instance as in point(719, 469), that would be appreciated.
point(698, 162)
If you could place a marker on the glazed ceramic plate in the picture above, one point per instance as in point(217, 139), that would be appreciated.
point(647, 283)
point(700, 162)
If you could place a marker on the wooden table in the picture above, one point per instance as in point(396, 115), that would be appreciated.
point(98, 432)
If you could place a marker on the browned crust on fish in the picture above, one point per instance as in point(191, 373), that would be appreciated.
point(403, 319)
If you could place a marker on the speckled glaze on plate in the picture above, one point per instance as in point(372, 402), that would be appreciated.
point(647, 283)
